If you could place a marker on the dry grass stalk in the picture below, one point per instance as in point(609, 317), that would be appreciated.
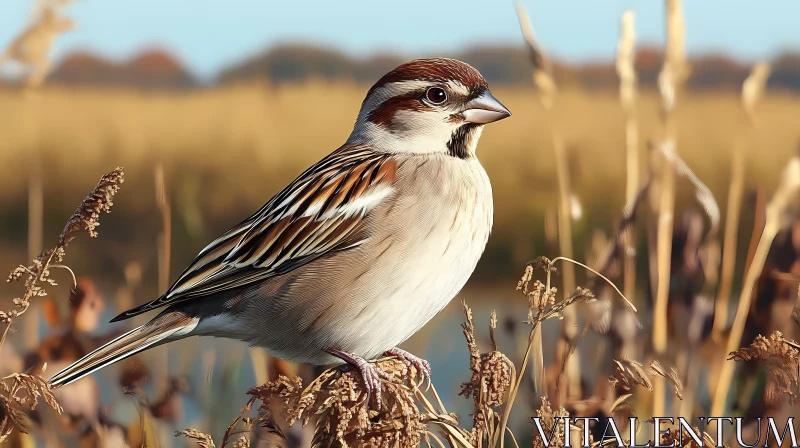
point(161, 365)
point(203, 440)
point(492, 374)
point(781, 360)
point(670, 80)
point(752, 90)
point(785, 193)
point(676, 68)
point(22, 389)
point(627, 96)
point(542, 67)
point(35, 230)
point(569, 324)
point(538, 299)
point(164, 239)
point(670, 375)
point(542, 307)
point(664, 252)
point(86, 218)
point(629, 374)
point(546, 87)
point(673, 165)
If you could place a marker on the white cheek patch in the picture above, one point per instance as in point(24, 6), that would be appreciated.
point(426, 131)
point(411, 132)
point(432, 121)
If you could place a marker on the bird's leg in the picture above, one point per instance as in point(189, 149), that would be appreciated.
point(369, 373)
point(422, 366)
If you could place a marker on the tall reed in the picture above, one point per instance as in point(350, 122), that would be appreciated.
point(546, 86)
point(627, 96)
point(161, 365)
point(670, 79)
point(752, 90)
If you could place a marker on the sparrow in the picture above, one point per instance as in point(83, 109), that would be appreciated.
point(360, 251)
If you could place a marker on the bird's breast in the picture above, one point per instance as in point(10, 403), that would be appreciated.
point(425, 242)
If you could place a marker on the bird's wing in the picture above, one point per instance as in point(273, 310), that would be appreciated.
point(318, 213)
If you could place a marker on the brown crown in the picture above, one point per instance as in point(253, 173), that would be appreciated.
point(435, 70)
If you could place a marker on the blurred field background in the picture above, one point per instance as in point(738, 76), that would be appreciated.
point(221, 148)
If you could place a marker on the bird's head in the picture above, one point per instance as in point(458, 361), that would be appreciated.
point(427, 106)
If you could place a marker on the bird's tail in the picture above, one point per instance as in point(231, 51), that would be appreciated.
point(166, 327)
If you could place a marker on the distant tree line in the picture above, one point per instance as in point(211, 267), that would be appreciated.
point(158, 69)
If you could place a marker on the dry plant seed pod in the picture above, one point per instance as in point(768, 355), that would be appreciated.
point(492, 373)
point(629, 374)
point(782, 362)
point(25, 389)
point(671, 375)
point(203, 440)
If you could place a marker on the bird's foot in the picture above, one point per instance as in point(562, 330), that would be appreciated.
point(370, 374)
point(422, 366)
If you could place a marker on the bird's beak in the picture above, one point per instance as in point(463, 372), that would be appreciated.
point(485, 109)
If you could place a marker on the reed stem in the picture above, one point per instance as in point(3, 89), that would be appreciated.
point(752, 90)
point(627, 96)
point(670, 81)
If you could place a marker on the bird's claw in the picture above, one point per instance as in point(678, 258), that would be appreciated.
point(370, 374)
point(422, 366)
point(372, 379)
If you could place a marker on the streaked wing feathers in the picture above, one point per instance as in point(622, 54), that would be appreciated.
point(319, 212)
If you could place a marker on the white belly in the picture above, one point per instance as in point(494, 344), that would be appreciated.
point(440, 234)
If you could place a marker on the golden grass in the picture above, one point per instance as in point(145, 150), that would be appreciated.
point(246, 131)
point(225, 151)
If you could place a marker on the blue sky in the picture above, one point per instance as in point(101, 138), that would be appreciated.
point(208, 34)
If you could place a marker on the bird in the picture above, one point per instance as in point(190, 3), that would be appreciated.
point(356, 254)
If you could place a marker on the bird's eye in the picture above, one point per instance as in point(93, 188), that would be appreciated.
point(436, 95)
